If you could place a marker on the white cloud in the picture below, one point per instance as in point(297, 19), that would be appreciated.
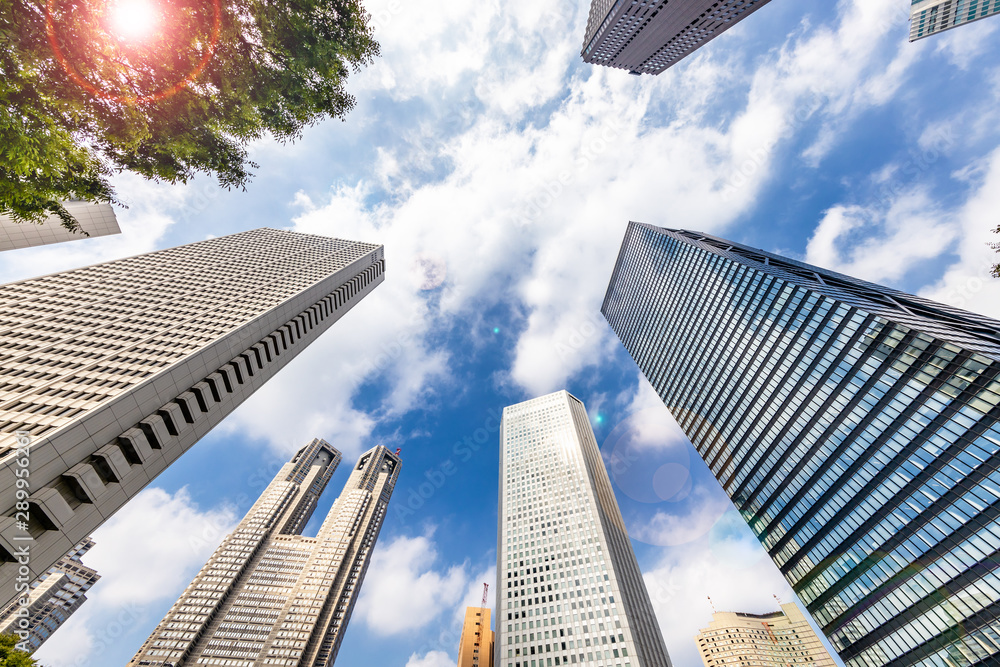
point(534, 210)
point(963, 47)
point(733, 571)
point(431, 659)
point(147, 553)
point(474, 593)
point(670, 527)
point(402, 584)
point(649, 420)
point(967, 283)
point(882, 242)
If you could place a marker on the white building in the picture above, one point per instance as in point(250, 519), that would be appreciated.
point(569, 589)
point(268, 595)
point(930, 16)
point(110, 372)
point(95, 220)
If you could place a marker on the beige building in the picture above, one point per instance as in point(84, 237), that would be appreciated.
point(779, 639)
point(268, 595)
point(476, 646)
point(110, 372)
point(95, 220)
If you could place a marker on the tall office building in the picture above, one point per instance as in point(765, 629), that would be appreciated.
point(110, 372)
point(855, 427)
point(268, 595)
point(51, 600)
point(648, 37)
point(475, 647)
point(568, 586)
point(94, 219)
point(779, 639)
point(930, 16)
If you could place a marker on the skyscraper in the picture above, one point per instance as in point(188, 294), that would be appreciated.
point(779, 639)
point(110, 372)
point(51, 600)
point(930, 16)
point(569, 588)
point(475, 648)
point(855, 427)
point(268, 595)
point(649, 37)
point(94, 219)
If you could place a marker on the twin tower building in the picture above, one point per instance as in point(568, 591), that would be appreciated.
point(856, 429)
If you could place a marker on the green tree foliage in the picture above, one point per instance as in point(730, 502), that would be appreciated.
point(10, 656)
point(79, 102)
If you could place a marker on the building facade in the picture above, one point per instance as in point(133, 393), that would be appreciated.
point(110, 372)
point(475, 647)
point(648, 37)
point(569, 588)
point(779, 639)
point(51, 600)
point(931, 16)
point(268, 595)
point(94, 220)
point(856, 429)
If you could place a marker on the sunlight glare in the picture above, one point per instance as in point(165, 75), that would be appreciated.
point(134, 19)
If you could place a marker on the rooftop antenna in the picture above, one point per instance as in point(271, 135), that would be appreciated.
point(777, 599)
point(711, 603)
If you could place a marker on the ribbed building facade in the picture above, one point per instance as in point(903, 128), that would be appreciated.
point(93, 219)
point(928, 17)
point(268, 595)
point(856, 428)
point(569, 589)
point(110, 372)
point(51, 600)
point(648, 36)
point(779, 639)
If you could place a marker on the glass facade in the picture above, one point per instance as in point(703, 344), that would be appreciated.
point(856, 429)
point(569, 590)
point(931, 16)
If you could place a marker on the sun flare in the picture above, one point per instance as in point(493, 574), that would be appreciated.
point(134, 19)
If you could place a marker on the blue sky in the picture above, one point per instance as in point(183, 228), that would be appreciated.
point(499, 172)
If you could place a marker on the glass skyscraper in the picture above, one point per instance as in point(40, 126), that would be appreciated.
point(932, 16)
point(855, 427)
point(569, 590)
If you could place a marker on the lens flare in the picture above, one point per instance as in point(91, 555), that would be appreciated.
point(134, 19)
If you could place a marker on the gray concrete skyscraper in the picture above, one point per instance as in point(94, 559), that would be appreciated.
point(268, 595)
point(648, 37)
point(110, 372)
point(928, 17)
point(569, 589)
point(855, 427)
